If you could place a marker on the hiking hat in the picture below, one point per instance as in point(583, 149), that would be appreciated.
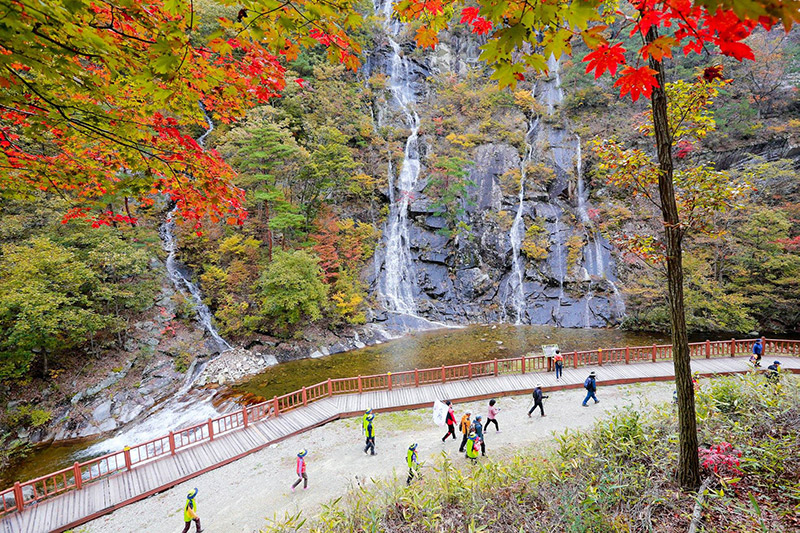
point(368, 411)
point(192, 494)
point(302, 453)
point(776, 362)
point(592, 373)
point(413, 446)
point(467, 412)
point(478, 417)
point(538, 385)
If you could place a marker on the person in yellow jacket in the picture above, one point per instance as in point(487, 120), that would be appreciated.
point(413, 464)
point(369, 431)
point(367, 414)
point(190, 512)
point(473, 445)
point(464, 426)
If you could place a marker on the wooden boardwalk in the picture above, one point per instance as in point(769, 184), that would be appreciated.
point(76, 507)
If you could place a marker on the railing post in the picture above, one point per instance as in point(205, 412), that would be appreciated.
point(76, 473)
point(627, 355)
point(359, 384)
point(575, 359)
point(654, 353)
point(275, 405)
point(305, 397)
point(330, 387)
point(18, 496)
point(733, 347)
point(416, 377)
point(523, 364)
point(763, 346)
point(210, 429)
point(495, 367)
point(599, 357)
point(244, 416)
point(126, 452)
point(470, 369)
point(444, 379)
point(389, 380)
point(172, 443)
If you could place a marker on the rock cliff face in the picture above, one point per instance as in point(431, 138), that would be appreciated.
point(531, 254)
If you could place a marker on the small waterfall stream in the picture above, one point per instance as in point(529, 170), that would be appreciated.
point(398, 283)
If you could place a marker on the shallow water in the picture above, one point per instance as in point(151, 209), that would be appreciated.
point(431, 349)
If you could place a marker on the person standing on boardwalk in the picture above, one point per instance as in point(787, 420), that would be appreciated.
point(369, 431)
point(450, 421)
point(492, 415)
point(464, 428)
point(472, 447)
point(591, 387)
point(758, 349)
point(301, 470)
point(477, 428)
point(537, 400)
point(413, 464)
point(558, 359)
point(190, 512)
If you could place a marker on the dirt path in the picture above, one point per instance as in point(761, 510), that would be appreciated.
point(240, 496)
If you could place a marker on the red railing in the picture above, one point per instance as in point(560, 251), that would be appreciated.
point(22, 495)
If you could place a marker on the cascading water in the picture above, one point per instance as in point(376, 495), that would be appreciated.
point(398, 282)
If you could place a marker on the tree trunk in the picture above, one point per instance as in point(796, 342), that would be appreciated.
point(688, 464)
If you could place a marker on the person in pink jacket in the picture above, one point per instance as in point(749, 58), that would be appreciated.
point(491, 417)
point(301, 470)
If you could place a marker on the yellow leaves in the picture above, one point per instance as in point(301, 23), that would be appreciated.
point(593, 37)
point(660, 48)
point(427, 37)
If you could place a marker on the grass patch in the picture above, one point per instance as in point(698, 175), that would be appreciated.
point(618, 476)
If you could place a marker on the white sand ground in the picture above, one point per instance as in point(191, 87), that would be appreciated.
point(240, 496)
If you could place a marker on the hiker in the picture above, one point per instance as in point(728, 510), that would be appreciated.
point(591, 387)
point(367, 413)
point(369, 431)
point(492, 414)
point(450, 421)
point(774, 372)
point(537, 400)
point(464, 428)
point(301, 470)
point(758, 349)
point(477, 428)
point(558, 359)
point(413, 464)
point(190, 512)
point(472, 447)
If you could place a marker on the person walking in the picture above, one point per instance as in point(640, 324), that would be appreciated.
point(450, 421)
point(758, 349)
point(413, 464)
point(558, 359)
point(491, 417)
point(591, 387)
point(301, 470)
point(369, 431)
point(464, 428)
point(537, 400)
point(477, 427)
point(190, 512)
point(472, 447)
point(367, 413)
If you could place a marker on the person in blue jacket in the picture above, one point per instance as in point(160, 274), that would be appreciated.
point(758, 349)
point(591, 387)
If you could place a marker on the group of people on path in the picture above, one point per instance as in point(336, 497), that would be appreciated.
point(773, 370)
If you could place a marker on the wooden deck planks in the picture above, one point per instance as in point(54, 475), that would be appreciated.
point(96, 498)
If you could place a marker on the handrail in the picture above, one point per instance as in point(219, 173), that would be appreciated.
point(22, 495)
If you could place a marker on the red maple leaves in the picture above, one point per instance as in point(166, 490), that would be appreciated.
point(605, 58)
point(636, 81)
point(480, 25)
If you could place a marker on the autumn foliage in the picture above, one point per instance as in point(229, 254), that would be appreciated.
point(97, 99)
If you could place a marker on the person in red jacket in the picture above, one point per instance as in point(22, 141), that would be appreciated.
point(301, 470)
point(450, 421)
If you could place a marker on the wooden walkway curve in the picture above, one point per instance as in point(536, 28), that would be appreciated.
point(71, 508)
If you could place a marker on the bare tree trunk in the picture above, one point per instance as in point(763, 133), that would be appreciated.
point(688, 474)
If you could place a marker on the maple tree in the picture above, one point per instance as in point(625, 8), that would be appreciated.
point(521, 36)
point(95, 96)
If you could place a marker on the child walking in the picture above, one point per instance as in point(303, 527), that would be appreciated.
point(301, 470)
point(491, 417)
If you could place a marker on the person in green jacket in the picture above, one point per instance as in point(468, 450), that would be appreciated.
point(190, 512)
point(473, 444)
point(367, 413)
point(369, 431)
point(413, 464)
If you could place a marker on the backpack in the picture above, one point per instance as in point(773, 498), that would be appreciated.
point(587, 383)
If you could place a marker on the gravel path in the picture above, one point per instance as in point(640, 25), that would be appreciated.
point(240, 496)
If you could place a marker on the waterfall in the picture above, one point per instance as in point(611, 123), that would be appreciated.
point(178, 274)
point(398, 283)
